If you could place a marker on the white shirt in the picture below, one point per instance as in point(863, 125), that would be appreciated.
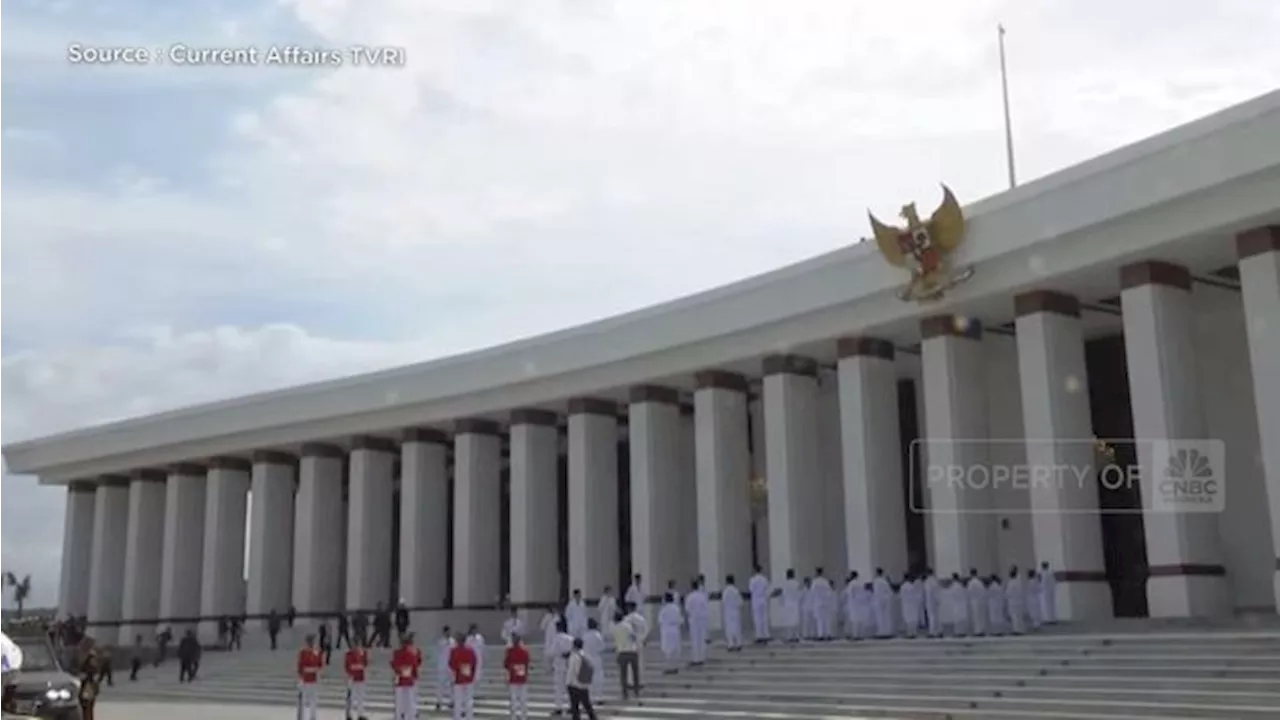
point(635, 596)
point(696, 606)
point(512, 626)
point(606, 608)
point(731, 601)
point(759, 588)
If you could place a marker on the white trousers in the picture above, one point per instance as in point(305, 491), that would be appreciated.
point(760, 619)
point(307, 701)
point(733, 629)
point(597, 678)
point(822, 623)
point(560, 682)
point(406, 702)
point(355, 699)
point(931, 611)
point(463, 701)
point(698, 641)
point(519, 701)
point(444, 686)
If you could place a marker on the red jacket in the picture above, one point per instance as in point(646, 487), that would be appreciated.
point(405, 662)
point(309, 664)
point(462, 661)
point(517, 664)
point(356, 661)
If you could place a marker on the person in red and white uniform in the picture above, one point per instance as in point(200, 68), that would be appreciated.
point(356, 662)
point(310, 662)
point(462, 662)
point(405, 664)
point(516, 662)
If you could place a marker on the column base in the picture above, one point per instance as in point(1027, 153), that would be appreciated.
point(1084, 599)
point(1187, 591)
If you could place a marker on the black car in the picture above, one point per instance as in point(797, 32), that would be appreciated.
point(41, 688)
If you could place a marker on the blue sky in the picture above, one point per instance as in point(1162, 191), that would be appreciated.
point(175, 235)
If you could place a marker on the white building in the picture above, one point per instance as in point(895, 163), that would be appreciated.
point(1134, 295)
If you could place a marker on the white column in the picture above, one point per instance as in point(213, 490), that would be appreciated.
point(964, 530)
point(1186, 576)
point(477, 492)
point(1066, 526)
point(106, 576)
point(1259, 252)
point(796, 531)
point(144, 546)
point(723, 477)
point(77, 550)
point(271, 534)
point(318, 537)
point(371, 502)
point(653, 428)
point(871, 456)
point(222, 584)
point(535, 463)
point(424, 517)
point(593, 495)
point(183, 555)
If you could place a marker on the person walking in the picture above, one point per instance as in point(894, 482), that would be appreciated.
point(581, 673)
point(626, 644)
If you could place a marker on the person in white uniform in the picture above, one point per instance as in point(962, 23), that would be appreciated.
point(957, 599)
point(606, 609)
point(731, 615)
point(635, 597)
point(932, 603)
point(821, 605)
point(575, 613)
point(1016, 600)
point(1033, 599)
point(550, 628)
point(512, 627)
point(996, 621)
point(475, 641)
point(882, 596)
point(593, 646)
point(1048, 595)
point(910, 596)
point(444, 677)
point(669, 621)
point(977, 593)
point(806, 609)
point(845, 605)
point(789, 612)
point(864, 611)
point(560, 649)
point(758, 587)
point(697, 607)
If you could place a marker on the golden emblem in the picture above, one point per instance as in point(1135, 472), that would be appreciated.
point(925, 247)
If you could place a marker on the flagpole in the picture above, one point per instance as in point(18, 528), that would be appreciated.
point(1008, 123)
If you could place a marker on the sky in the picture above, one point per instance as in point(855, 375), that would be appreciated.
point(174, 235)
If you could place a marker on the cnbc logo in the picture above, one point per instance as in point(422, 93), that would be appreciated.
point(1187, 476)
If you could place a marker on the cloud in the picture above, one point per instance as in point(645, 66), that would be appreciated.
point(535, 164)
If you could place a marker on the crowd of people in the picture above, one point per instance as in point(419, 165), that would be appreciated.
point(574, 644)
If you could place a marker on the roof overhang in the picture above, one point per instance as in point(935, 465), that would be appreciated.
point(1177, 196)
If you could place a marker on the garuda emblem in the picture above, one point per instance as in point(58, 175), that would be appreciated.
point(924, 247)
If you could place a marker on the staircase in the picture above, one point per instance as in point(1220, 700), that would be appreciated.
point(1113, 674)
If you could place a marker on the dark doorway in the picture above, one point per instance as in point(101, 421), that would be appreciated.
point(504, 530)
point(562, 526)
point(448, 536)
point(912, 490)
point(1124, 542)
point(624, 516)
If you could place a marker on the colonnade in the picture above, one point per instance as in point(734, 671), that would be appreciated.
point(168, 546)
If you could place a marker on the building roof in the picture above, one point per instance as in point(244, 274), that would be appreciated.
point(1210, 176)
